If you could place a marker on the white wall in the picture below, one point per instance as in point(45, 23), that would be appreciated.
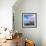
point(6, 13)
point(28, 6)
point(43, 22)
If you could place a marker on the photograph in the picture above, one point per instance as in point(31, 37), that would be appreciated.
point(29, 20)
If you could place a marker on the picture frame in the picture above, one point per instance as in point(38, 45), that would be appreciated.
point(29, 20)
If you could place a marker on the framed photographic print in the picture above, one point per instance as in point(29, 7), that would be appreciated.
point(29, 20)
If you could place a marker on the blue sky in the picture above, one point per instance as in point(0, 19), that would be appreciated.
point(28, 18)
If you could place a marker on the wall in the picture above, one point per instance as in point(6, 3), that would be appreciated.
point(6, 13)
point(43, 22)
point(28, 6)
